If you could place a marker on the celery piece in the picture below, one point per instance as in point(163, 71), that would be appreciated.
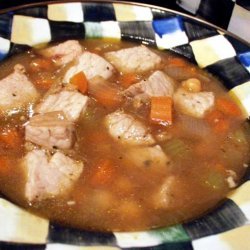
point(238, 136)
point(215, 180)
point(176, 148)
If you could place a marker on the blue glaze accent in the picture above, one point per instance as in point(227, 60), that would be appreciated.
point(244, 58)
point(3, 55)
point(168, 25)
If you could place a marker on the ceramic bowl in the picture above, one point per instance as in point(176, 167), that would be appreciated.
point(227, 57)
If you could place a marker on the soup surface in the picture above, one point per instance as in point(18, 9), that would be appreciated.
point(107, 135)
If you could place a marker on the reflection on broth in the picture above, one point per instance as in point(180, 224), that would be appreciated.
point(108, 136)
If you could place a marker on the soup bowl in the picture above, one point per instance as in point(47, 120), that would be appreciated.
point(211, 48)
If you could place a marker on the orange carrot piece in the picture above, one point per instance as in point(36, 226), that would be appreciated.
point(128, 79)
point(218, 167)
point(44, 83)
point(228, 107)
point(218, 121)
point(214, 116)
point(177, 62)
point(4, 165)
point(103, 173)
point(222, 126)
point(11, 138)
point(39, 64)
point(106, 95)
point(161, 110)
point(80, 81)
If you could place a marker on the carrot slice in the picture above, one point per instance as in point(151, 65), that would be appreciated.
point(128, 79)
point(103, 173)
point(39, 64)
point(44, 82)
point(227, 107)
point(219, 168)
point(4, 165)
point(161, 110)
point(221, 126)
point(214, 116)
point(11, 138)
point(106, 95)
point(80, 81)
point(218, 121)
point(177, 62)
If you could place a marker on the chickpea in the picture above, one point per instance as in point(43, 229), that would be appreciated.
point(192, 85)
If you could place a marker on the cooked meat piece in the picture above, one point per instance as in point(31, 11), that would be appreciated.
point(49, 176)
point(51, 130)
point(72, 103)
point(193, 104)
point(63, 53)
point(171, 194)
point(148, 157)
point(126, 129)
point(137, 59)
point(92, 65)
point(158, 84)
point(231, 178)
point(16, 90)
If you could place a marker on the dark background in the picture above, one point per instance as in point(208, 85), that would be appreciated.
point(217, 12)
point(164, 3)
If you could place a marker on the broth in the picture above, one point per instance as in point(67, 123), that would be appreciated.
point(184, 167)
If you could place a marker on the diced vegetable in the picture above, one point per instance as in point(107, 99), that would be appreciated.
point(161, 110)
point(177, 62)
point(11, 138)
point(218, 121)
point(44, 81)
point(106, 95)
point(128, 79)
point(176, 148)
point(215, 180)
point(192, 85)
point(238, 136)
point(80, 81)
point(218, 167)
point(228, 107)
point(4, 165)
point(40, 64)
point(103, 173)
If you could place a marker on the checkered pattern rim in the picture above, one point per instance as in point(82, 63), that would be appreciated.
point(199, 43)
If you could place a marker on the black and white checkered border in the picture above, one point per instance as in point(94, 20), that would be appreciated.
point(28, 27)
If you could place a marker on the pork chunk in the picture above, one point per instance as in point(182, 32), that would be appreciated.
point(49, 176)
point(172, 194)
point(148, 157)
point(158, 84)
point(193, 104)
point(126, 129)
point(137, 59)
point(72, 103)
point(16, 90)
point(50, 130)
point(63, 53)
point(92, 65)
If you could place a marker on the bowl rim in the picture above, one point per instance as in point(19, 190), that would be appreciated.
point(133, 3)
